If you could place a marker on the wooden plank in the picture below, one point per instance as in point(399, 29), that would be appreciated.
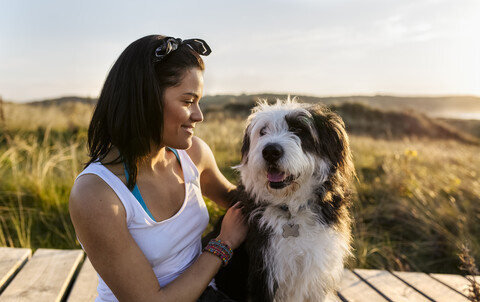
point(353, 289)
point(457, 282)
point(11, 260)
point(390, 286)
point(85, 286)
point(476, 278)
point(45, 277)
point(432, 288)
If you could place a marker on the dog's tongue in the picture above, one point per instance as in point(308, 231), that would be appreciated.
point(275, 176)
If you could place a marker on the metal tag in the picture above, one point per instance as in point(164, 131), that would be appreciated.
point(290, 229)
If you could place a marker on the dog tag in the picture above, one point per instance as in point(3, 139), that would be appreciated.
point(290, 229)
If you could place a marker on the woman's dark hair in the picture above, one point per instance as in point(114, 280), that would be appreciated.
point(129, 112)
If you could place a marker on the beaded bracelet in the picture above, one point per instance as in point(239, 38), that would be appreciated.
point(219, 249)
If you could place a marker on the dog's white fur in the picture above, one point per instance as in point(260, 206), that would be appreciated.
point(308, 267)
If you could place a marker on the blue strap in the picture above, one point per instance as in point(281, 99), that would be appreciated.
point(138, 196)
point(136, 191)
point(176, 154)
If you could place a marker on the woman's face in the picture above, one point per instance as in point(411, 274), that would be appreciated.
point(182, 111)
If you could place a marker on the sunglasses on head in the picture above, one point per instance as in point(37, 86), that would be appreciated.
point(170, 44)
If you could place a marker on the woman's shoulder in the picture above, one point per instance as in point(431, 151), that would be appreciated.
point(200, 153)
point(91, 196)
point(88, 182)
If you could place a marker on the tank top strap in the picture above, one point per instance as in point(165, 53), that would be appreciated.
point(176, 154)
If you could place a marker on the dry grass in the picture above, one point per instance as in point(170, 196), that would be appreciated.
point(36, 179)
point(26, 117)
point(40, 155)
point(417, 202)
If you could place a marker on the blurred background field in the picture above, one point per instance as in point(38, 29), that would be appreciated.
point(416, 196)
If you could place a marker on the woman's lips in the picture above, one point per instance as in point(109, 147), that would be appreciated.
point(189, 129)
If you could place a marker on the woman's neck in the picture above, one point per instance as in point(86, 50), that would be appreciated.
point(157, 160)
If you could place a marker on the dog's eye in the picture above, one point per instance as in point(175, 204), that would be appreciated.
point(263, 131)
point(295, 130)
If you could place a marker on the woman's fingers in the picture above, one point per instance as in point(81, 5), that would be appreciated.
point(234, 229)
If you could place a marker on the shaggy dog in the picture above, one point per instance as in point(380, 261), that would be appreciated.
point(295, 171)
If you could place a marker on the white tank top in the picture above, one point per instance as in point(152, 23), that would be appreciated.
point(171, 245)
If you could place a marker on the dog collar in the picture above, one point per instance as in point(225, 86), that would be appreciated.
point(285, 208)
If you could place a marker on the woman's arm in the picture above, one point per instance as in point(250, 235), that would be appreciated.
point(99, 219)
point(214, 184)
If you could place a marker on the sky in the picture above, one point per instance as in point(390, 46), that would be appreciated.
point(54, 48)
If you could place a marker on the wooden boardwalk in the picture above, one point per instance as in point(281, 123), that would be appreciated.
point(66, 275)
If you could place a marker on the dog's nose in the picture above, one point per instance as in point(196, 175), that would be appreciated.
point(272, 152)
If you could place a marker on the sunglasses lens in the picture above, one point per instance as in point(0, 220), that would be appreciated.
point(200, 46)
point(170, 44)
point(161, 50)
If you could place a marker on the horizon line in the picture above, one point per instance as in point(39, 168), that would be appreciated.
point(382, 94)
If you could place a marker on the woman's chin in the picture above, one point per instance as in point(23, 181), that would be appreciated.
point(181, 145)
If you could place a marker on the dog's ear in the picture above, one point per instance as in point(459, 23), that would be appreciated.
point(332, 137)
point(246, 145)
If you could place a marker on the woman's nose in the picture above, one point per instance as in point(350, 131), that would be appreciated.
point(196, 113)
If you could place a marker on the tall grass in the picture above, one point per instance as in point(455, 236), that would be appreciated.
point(41, 152)
point(28, 117)
point(416, 201)
point(37, 174)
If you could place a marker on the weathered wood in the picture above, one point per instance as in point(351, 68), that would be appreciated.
point(431, 287)
point(48, 274)
point(45, 277)
point(353, 289)
point(85, 286)
point(11, 260)
point(390, 286)
point(456, 282)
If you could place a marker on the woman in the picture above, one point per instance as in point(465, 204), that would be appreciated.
point(137, 207)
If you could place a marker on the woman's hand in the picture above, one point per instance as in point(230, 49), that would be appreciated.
point(234, 229)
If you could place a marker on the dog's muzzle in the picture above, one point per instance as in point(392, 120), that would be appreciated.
point(277, 179)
